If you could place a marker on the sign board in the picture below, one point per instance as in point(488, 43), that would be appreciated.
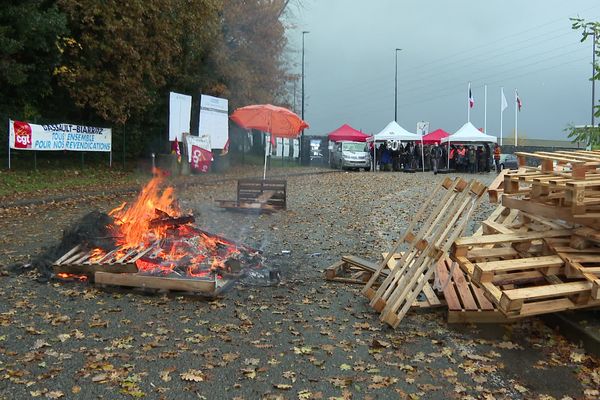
point(422, 128)
point(26, 136)
point(180, 115)
point(214, 120)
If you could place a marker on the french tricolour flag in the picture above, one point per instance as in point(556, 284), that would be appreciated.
point(471, 99)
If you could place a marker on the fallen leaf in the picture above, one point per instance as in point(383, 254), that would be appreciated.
point(282, 386)
point(55, 394)
point(228, 357)
point(193, 375)
point(577, 357)
point(38, 344)
point(304, 395)
point(519, 388)
point(100, 378)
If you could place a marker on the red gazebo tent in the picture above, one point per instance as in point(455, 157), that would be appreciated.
point(435, 136)
point(346, 132)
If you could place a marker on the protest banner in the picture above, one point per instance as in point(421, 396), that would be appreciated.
point(199, 152)
point(57, 137)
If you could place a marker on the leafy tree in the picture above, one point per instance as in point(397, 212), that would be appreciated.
point(590, 30)
point(113, 62)
point(29, 31)
point(590, 135)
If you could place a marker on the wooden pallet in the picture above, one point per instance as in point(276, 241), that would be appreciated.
point(81, 261)
point(575, 191)
point(356, 270)
point(351, 269)
point(466, 301)
point(416, 267)
point(209, 287)
point(580, 163)
point(264, 195)
point(526, 272)
point(496, 188)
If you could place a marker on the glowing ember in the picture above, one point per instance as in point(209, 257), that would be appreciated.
point(72, 277)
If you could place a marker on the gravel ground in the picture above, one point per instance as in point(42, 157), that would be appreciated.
point(302, 339)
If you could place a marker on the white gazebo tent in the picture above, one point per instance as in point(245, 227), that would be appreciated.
point(393, 131)
point(467, 134)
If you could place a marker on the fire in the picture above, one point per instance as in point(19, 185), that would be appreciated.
point(171, 245)
point(133, 222)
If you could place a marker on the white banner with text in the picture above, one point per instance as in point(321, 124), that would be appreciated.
point(26, 136)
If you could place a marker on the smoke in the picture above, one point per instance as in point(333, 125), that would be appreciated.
point(91, 231)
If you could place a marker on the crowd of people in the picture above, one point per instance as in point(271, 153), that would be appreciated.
point(410, 157)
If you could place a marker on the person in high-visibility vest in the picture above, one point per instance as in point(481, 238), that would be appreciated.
point(497, 152)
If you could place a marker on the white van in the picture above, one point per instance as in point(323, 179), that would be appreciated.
point(350, 155)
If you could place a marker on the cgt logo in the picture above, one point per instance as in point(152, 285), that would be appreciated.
point(22, 135)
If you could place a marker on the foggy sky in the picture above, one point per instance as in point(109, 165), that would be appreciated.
point(525, 44)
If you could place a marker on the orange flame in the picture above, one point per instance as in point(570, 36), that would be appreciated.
point(133, 221)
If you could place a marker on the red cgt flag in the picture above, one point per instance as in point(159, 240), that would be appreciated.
point(201, 159)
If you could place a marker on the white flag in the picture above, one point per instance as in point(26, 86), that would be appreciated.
point(503, 100)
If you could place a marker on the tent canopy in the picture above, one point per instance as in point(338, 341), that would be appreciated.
point(435, 136)
point(469, 134)
point(346, 132)
point(393, 131)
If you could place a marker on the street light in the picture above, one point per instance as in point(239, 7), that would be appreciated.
point(396, 89)
point(302, 156)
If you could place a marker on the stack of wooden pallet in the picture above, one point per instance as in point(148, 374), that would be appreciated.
point(539, 251)
point(403, 279)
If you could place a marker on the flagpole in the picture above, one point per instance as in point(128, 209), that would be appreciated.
point(469, 103)
point(516, 119)
point(485, 110)
point(501, 112)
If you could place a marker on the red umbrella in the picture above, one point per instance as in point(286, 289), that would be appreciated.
point(278, 121)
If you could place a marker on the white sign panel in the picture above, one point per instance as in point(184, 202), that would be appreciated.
point(26, 136)
point(214, 120)
point(422, 128)
point(180, 115)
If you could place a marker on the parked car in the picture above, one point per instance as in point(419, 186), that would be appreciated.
point(350, 155)
point(508, 161)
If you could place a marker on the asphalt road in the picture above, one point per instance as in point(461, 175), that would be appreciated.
point(301, 339)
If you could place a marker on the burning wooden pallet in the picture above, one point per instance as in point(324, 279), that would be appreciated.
point(81, 261)
point(158, 247)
